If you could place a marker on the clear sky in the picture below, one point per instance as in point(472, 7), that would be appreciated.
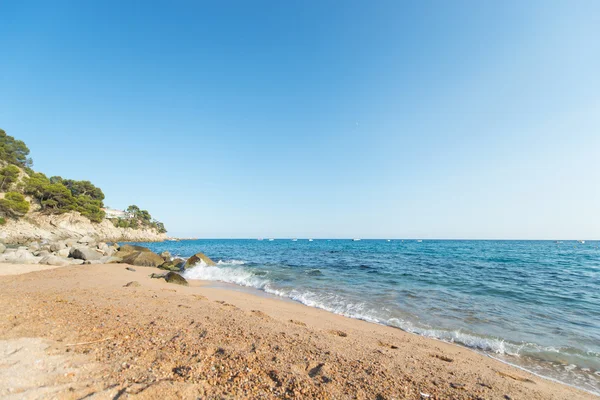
point(424, 119)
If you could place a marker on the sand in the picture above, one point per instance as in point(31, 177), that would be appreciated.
point(88, 332)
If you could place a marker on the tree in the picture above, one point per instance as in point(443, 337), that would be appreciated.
point(14, 204)
point(83, 188)
point(14, 151)
point(8, 176)
point(133, 210)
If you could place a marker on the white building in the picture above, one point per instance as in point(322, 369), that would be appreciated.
point(111, 213)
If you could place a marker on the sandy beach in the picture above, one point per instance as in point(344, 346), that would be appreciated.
point(102, 331)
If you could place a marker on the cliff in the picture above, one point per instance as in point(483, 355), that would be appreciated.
point(38, 226)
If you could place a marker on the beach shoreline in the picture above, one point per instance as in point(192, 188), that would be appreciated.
point(153, 338)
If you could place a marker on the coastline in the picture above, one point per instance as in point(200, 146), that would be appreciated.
point(160, 339)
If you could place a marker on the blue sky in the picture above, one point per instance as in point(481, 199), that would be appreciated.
point(427, 119)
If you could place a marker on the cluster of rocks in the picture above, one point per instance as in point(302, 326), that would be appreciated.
point(87, 251)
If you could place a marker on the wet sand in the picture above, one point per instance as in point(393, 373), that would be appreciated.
point(88, 331)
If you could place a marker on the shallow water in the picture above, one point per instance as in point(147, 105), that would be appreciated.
point(535, 304)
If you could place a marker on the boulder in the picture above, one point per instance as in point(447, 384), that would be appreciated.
point(198, 258)
point(20, 257)
point(41, 253)
point(84, 253)
point(58, 246)
point(33, 246)
point(2, 248)
point(54, 260)
point(110, 260)
point(169, 266)
point(142, 259)
point(128, 249)
point(103, 247)
point(75, 261)
point(174, 277)
point(166, 255)
point(63, 252)
point(86, 240)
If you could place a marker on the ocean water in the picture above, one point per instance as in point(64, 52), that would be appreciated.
point(534, 304)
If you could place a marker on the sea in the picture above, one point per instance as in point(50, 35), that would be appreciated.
point(532, 304)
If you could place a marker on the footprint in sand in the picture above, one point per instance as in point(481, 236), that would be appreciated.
point(338, 333)
point(132, 284)
point(224, 304)
point(515, 377)
point(384, 344)
point(442, 357)
point(260, 314)
point(297, 322)
point(199, 297)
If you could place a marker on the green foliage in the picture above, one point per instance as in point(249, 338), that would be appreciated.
point(14, 151)
point(2, 221)
point(57, 195)
point(14, 204)
point(8, 176)
point(139, 219)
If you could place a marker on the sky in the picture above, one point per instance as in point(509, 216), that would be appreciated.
point(324, 119)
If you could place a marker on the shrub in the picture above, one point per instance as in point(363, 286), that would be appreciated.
point(14, 204)
point(8, 175)
point(2, 221)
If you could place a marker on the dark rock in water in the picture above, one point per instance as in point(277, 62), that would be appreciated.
point(196, 259)
point(84, 253)
point(173, 277)
point(169, 266)
point(143, 259)
point(130, 269)
point(132, 284)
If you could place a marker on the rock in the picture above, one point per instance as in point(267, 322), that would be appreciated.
point(174, 277)
point(130, 269)
point(63, 252)
point(20, 256)
point(166, 255)
point(33, 246)
point(132, 284)
point(103, 247)
point(110, 251)
point(143, 259)
point(86, 240)
point(84, 253)
point(157, 276)
point(41, 253)
point(170, 266)
point(110, 260)
point(54, 260)
point(198, 258)
point(127, 250)
point(2, 248)
point(75, 261)
point(58, 246)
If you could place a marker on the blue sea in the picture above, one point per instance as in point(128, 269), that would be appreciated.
point(534, 304)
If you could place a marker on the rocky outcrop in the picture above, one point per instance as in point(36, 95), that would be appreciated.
point(198, 258)
point(38, 227)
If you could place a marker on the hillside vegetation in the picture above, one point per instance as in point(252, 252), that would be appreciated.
point(52, 195)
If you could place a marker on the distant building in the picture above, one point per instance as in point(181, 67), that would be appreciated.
point(111, 213)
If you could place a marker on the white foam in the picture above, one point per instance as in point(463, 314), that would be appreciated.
point(231, 262)
point(237, 275)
